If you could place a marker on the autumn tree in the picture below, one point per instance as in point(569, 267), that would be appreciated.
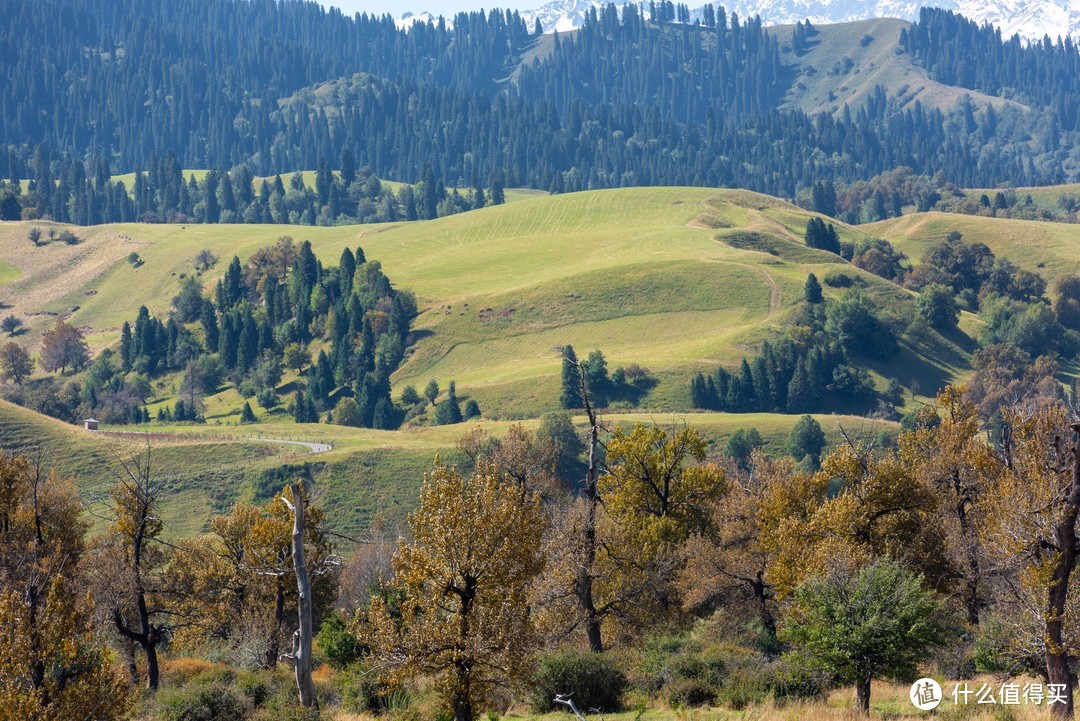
point(950, 453)
point(528, 459)
point(1030, 530)
point(15, 363)
point(657, 491)
point(726, 564)
point(52, 665)
point(235, 589)
point(862, 505)
point(861, 624)
point(63, 347)
point(464, 619)
point(131, 560)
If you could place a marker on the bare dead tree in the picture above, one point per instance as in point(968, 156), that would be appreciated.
point(301, 640)
point(583, 588)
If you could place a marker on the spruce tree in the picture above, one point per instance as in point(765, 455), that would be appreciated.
point(383, 417)
point(571, 380)
point(812, 290)
point(247, 415)
point(449, 411)
point(300, 407)
point(125, 346)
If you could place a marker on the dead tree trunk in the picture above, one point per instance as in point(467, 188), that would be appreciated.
point(301, 645)
point(583, 588)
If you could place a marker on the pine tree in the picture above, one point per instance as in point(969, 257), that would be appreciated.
point(299, 406)
point(247, 415)
point(812, 290)
point(449, 411)
point(125, 347)
point(571, 380)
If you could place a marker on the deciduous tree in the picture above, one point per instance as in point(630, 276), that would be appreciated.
point(63, 347)
point(15, 363)
point(474, 551)
point(874, 622)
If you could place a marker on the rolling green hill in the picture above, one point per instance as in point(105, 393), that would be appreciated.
point(368, 476)
point(675, 279)
point(1047, 248)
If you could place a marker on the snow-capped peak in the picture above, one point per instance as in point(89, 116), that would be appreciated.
point(1031, 19)
point(406, 21)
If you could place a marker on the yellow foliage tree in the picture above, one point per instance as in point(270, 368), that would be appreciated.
point(465, 575)
point(727, 565)
point(949, 452)
point(51, 664)
point(236, 587)
point(858, 507)
point(1030, 530)
point(658, 490)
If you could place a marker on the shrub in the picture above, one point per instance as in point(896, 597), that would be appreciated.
point(742, 688)
point(689, 692)
point(592, 679)
point(792, 679)
point(359, 689)
point(201, 702)
point(70, 238)
point(336, 643)
point(840, 279)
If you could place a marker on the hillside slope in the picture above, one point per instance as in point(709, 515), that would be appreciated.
point(845, 63)
point(677, 280)
point(1050, 249)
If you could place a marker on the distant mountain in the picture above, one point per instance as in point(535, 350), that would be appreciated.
point(406, 21)
point(1031, 19)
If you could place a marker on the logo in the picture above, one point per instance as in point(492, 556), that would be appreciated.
point(925, 694)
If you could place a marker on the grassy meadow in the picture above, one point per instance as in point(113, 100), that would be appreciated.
point(662, 277)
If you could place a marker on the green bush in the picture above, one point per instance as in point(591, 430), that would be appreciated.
point(840, 279)
point(359, 689)
point(336, 643)
point(654, 661)
point(743, 688)
point(202, 702)
point(593, 680)
point(689, 692)
point(792, 679)
point(254, 686)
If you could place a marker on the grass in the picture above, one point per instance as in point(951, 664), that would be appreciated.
point(8, 273)
point(887, 701)
point(1046, 196)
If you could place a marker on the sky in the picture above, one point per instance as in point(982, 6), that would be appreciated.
point(445, 7)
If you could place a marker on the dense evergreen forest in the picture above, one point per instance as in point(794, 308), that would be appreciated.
point(480, 102)
point(957, 51)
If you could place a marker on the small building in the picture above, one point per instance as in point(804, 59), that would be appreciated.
point(91, 424)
